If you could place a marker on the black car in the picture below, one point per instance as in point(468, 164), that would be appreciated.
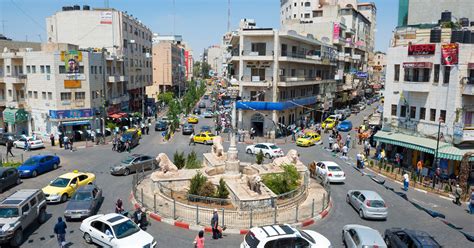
point(206, 129)
point(8, 177)
point(206, 97)
point(161, 126)
point(197, 111)
point(5, 136)
point(188, 129)
point(405, 238)
point(202, 105)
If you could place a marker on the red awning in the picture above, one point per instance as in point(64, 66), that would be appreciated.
point(118, 115)
point(470, 66)
point(417, 65)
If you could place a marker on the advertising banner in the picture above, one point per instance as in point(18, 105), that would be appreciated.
point(336, 31)
point(72, 84)
point(106, 17)
point(71, 114)
point(71, 60)
point(449, 54)
point(422, 49)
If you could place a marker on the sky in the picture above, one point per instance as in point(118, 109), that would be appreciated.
point(201, 22)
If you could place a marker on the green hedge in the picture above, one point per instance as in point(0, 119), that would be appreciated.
point(11, 164)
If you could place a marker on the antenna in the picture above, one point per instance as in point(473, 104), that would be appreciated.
point(228, 15)
point(106, 4)
point(3, 26)
point(174, 17)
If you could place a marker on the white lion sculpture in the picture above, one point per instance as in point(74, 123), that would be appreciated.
point(254, 183)
point(165, 163)
point(291, 157)
point(217, 148)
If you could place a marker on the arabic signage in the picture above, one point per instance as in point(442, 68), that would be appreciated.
point(336, 31)
point(361, 74)
point(72, 84)
point(106, 17)
point(71, 114)
point(417, 65)
point(422, 49)
point(449, 54)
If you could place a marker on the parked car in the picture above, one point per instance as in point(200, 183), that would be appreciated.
point(84, 203)
point(188, 129)
point(9, 176)
point(64, 186)
point(275, 236)
point(34, 143)
point(344, 113)
point(205, 129)
point(330, 172)
point(197, 111)
point(132, 136)
point(161, 126)
point(369, 204)
point(38, 164)
point(18, 211)
point(269, 150)
point(358, 236)
point(202, 105)
point(4, 137)
point(406, 238)
point(124, 232)
point(205, 97)
point(344, 126)
point(358, 107)
point(165, 119)
point(134, 163)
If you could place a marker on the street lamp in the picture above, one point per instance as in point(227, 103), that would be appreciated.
point(436, 160)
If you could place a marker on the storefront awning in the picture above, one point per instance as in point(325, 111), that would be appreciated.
point(117, 115)
point(408, 141)
point(14, 115)
point(75, 123)
point(453, 153)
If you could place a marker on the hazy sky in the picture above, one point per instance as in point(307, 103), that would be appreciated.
point(201, 22)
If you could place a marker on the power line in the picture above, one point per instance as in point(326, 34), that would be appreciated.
point(27, 15)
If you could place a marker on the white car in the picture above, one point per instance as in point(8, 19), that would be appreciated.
point(34, 143)
point(115, 230)
point(275, 236)
point(330, 172)
point(358, 236)
point(269, 150)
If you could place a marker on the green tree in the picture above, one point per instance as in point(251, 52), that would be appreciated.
point(179, 160)
point(222, 191)
point(165, 97)
point(205, 68)
point(259, 157)
point(208, 190)
point(281, 183)
point(192, 161)
point(197, 182)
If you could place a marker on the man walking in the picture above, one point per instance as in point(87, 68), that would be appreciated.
point(331, 141)
point(51, 137)
point(215, 224)
point(191, 140)
point(66, 142)
point(406, 181)
point(344, 151)
point(60, 231)
point(348, 140)
point(457, 195)
point(9, 147)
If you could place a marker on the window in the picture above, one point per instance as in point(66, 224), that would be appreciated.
point(42, 70)
point(65, 96)
point(394, 110)
point(354, 236)
point(436, 74)
point(257, 74)
point(422, 113)
point(8, 69)
point(260, 48)
point(307, 4)
point(412, 112)
point(30, 94)
point(447, 74)
point(33, 202)
point(25, 208)
point(43, 95)
point(318, 13)
point(62, 69)
point(33, 69)
point(432, 114)
point(10, 93)
point(403, 111)
point(50, 96)
point(80, 95)
point(397, 73)
point(442, 115)
point(307, 15)
point(35, 93)
point(417, 74)
point(125, 43)
point(28, 69)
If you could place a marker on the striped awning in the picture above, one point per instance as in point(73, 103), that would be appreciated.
point(453, 153)
point(404, 140)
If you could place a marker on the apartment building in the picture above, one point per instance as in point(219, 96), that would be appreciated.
point(283, 78)
point(215, 59)
point(414, 12)
point(125, 39)
point(348, 25)
point(56, 89)
point(429, 95)
point(377, 70)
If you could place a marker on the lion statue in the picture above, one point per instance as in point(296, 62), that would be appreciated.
point(217, 148)
point(165, 163)
point(292, 157)
point(254, 183)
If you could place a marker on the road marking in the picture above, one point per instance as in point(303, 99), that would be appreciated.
point(420, 190)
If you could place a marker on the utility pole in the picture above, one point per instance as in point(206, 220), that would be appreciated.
point(3, 27)
point(174, 17)
point(228, 15)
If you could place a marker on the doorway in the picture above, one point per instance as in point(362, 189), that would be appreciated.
point(256, 122)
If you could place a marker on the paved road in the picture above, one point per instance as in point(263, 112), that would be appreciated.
point(98, 159)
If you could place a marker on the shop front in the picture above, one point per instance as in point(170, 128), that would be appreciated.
point(75, 123)
point(16, 120)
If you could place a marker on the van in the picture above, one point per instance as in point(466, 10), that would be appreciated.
point(132, 136)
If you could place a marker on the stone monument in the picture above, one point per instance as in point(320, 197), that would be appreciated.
point(232, 163)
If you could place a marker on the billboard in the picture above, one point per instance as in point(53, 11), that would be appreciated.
point(72, 84)
point(449, 54)
point(422, 49)
point(336, 31)
point(106, 17)
point(71, 60)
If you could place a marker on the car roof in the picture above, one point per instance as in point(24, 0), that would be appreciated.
point(330, 163)
point(367, 235)
point(371, 195)
point(272, 231)
point(422, 237)
point(113, 218)
point(71, 175)
point(19, 197)
point(267, 144)
point(2, 169)
point(87, 188)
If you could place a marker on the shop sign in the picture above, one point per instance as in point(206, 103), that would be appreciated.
point(106, 17)
point(361, 74)
point(71, 114)
point(71, 60)
point(417, 65)
point(336, 31)
point(72, 84)
point(449, 54)
point(422, 49)
point(470, 66)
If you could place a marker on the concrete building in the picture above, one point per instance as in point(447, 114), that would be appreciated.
point(414, 12)
point(126, 40)
point(169, 65)
point(349, 26)
point(377, 69)
point(215, 58)
point(59, 88)
point(283, 78)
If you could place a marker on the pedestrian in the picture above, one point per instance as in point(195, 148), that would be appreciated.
point(359, 160)
point(406, 181)
point(437, 175)
point(239, 134)
point(382, 156)
point(471, 202)
point(367, 148)
point(9, 147)
point(336, 148)
point(51, 137)
point(348, 140)
point(26, 145)
point(148, 128)
point(93, 135)
point(60, 231)
point(191, 140)
point(60, 140)
point(419, 168)
point(66, 142)
point(215, 224)
point(252, 133)
point(119, 207)
point(114, 143)
point(330, 141)
point(293, 135)
point(457, 194)
point(199, 240)
point(129, 145)
point(344, 151)
point(70, 144)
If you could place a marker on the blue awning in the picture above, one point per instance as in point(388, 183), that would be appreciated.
point(75, 123)
point(279, 106)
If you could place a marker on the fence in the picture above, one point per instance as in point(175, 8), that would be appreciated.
point(10, 159)
point(166, 206)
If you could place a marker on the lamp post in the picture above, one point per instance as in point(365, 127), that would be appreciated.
point(232, 163)
point(436, 160)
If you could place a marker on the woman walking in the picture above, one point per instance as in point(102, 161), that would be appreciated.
point(199, 240)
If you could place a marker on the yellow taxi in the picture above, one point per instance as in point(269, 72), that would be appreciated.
point(138, 130)
point(308, 139)
point(329, 123)
point(193, 120)
point(64, 186)
point(205, 138)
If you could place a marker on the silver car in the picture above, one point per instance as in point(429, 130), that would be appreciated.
point(358, 236)
point(369, 204)
point(134, 163)
point(84, 203)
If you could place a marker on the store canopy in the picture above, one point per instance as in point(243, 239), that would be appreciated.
point(75, 123)
point(118, 115)
point(454, 153)
point(14, 115)
point(408, 141)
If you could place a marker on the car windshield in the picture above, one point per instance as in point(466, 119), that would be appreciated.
point(274, 147)
point(161, 123)
point(210, 135)
point(329, 120)
point(9, 212)
point(307, 236)
point(31, 161)
point(125, 229)
point(82, 196)
point(377, 204)
point(334, 168)
point(128, 160)
point(60, 182)
point(308, 136)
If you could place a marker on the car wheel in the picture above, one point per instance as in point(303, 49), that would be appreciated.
point(343, 240)
point(34, 174)
point(87, 238)
point(361, 213)
point(17, 238)
point(268, 156)
point(64, 198)
point(126, 172)
point(249, 151)
point(55, 166)
point(347, 199)
point(387, 241)
point(205, 142)
point(42, 216)
point(18, 181)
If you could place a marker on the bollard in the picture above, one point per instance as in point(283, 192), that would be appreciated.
point(275, 215)
point(296, 214)
point(174, 209)
point(21, 155)
point(154, 203)
point(143, 204)
point(223, 217)
point(197, 214)
point(312, 209)
point(251, 216)
point(324, 200)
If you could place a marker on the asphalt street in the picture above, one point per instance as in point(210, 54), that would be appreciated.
point(98, 160)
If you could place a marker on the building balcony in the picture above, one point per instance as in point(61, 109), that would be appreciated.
point(117, 78)
point(257, 55)
point(256, 81)
point(422, 87)
point(286, 81)
point(18, 79)
point(468, 88)
point(3, 102)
